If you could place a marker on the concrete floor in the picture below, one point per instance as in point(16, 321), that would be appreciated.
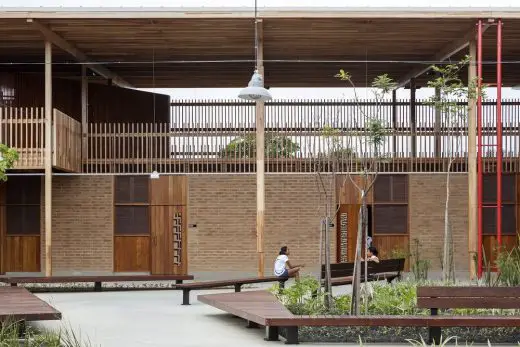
point(156, 318)
point(153, 318)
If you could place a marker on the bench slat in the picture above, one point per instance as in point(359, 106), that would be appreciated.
point(451, 292)
point(103, 278)
point(406, 321)
point(222, 283)
point(459, 302)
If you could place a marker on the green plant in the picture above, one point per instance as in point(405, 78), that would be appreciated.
point(442, 342)
point(508, 264)
point(420, 267)
point(276, 146)
point(8, 156)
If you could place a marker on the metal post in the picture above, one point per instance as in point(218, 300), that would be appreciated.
point(48, 159)
point(84, 113)
point(479, 147)
point(499, 134)
point(260, 175)
point(394, 122)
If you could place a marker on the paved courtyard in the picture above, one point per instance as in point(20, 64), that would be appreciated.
point(153, 318)
point(156, 318)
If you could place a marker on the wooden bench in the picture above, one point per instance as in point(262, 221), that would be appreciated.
point(18, 305)
point(97, 280)
point(387, 269)
point(237, 283)
point(433, 298)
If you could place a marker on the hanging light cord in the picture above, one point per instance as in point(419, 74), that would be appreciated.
point(256, 35)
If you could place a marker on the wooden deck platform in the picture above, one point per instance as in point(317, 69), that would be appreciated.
point(254, 306)
point(19, 304)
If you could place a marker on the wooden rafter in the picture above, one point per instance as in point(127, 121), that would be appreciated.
point(445, 53)
point(77, 53)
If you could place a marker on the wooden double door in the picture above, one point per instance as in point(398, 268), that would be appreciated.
point(150, 225)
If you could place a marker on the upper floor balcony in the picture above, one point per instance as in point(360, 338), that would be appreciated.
point(219, 137)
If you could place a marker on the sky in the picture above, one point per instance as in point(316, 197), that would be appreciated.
point(277, 93)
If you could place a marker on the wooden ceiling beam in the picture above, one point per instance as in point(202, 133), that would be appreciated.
point(78, 54)
point(445, 53)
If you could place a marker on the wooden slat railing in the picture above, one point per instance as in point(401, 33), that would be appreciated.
point(67, 142)
point(23, 128)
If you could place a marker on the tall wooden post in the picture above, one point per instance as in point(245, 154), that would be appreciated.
point(84, 114)
point(472, 166)
point(48, 158)
point(260, 143)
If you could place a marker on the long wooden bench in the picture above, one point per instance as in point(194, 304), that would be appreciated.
point(433, 298)
point(236, 283)
point(18, 305)
point(386, 269)
point(97, 280)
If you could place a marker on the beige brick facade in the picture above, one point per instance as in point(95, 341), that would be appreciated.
point(427, 198)
point(224, 209)
point(82, 223)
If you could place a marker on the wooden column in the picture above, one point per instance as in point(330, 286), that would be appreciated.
point(472, 166)
point(413, 123)
point(260, 166)
point(84, 114)
point(437, 126)
point(48, 158)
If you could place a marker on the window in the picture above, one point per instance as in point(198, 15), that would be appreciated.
point(489, 188)
point(390, 219)
point(489, 220)
point(22, 199)
point(391, 188)
point(132, 220)
point(132, 214)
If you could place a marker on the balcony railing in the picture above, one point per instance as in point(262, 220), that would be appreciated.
point(220, 137)
point(23, 128)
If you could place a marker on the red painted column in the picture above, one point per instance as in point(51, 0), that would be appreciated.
point(499, 133)
point(479, 147)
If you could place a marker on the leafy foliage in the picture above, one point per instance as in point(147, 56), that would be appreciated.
point(508, 263)
point(8, 157)
point(276, 146)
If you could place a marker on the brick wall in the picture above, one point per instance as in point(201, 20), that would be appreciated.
point(427, 196)
point(82, 222)
point(224, 209)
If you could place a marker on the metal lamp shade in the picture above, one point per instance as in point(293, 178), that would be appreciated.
point(255, 90)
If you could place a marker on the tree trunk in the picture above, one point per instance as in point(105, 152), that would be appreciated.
point(447, 261)
point(356, 283)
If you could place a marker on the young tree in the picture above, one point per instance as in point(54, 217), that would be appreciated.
point(8, 157)
point(369, 135)
point(454, 113)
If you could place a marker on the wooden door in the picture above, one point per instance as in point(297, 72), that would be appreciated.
point(168, 223)
point(348, 218)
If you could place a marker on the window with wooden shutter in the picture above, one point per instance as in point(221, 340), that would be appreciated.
point(391, 188)
point(22, 200)
point(489, 188)
point(132, 220)
point(131, 189)
point(489, 220)
point(132, 212)
point(390, 219)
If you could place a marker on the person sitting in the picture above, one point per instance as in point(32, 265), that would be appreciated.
point(283, 267)
point(372, 254)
